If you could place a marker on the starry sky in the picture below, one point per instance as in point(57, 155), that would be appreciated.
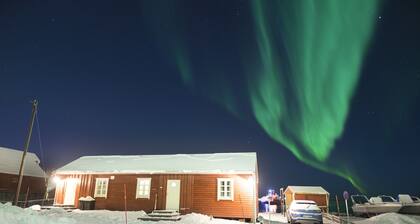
point(112, 77)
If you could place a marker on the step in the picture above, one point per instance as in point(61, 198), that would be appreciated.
point(149, 218)
point(66, 208)
point(156, 214)
point(60, 206)
point(164, 211)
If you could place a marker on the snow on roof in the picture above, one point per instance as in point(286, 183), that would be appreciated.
point(178, 163)
point(307, 189)
point(10, 163)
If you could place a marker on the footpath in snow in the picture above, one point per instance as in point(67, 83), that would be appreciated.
point(14, 215)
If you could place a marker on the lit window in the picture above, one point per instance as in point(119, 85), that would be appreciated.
point(101, 187)
point(224, 189)
point(143, 188)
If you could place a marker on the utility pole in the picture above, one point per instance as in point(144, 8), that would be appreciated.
point(28, 140)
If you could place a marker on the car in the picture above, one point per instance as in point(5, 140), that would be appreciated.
point(304, 211)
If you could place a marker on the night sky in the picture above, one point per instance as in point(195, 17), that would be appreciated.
point(133, 77)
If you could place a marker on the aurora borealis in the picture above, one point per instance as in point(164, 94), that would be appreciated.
point(301, 98)
point(301, 79)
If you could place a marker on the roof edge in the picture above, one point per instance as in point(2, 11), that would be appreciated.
point(151, 173)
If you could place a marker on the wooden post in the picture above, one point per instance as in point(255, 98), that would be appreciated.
point(28, 140)
point(156, 195)
point(125, 202)
point(338, 205)
point(26, 197)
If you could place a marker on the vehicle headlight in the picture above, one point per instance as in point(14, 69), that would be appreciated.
point(294, 213)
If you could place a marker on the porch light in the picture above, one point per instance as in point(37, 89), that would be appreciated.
point(56, 180)
point(250, 181)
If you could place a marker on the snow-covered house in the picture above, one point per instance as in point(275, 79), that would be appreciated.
point(219, 184)
point(33, 179)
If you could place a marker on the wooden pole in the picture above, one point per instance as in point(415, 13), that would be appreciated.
point(45, 198)
point(28, 140)
point(338, 205)
point(26, 197)
point(125, 202)
point(155, 201)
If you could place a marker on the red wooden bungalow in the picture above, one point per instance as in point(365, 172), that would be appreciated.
point(33, 181)
point(220, 184)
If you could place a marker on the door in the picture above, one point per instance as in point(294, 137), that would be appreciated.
point(173, 190)
point(70, 191)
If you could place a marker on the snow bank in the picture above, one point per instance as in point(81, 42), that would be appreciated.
point(195, 218)
point(14, 215)
point(391, 218)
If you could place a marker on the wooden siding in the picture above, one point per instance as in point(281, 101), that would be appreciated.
point(205, 197)
point(198, 193)
point(8, 185)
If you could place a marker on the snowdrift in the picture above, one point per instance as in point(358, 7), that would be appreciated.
point(391, 218)
point(14, 215)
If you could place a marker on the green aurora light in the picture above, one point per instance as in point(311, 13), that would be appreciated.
point(303, 76)
point(302, 99)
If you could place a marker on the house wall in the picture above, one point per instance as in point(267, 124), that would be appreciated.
point(8, 185)
point(198, 194)
point(205, 197)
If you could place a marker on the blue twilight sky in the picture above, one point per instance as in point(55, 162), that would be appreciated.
point(105, 85)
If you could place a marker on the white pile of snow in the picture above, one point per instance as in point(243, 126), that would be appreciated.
point(14, 215)
point(195, 218)
point(391, 218)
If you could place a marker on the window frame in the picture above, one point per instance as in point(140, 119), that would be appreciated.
point(106, 183)
point(149, 181)
point(232, 187)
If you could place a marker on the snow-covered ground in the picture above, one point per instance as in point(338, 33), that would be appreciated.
point(388, 218)
point(14, 215)
point(391, 218)
point(277, 218)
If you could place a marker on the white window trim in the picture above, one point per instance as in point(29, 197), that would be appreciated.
point(137, 186)
point(106, 189)
point(232, 187)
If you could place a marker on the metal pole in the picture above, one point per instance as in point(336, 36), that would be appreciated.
point(347, 210)
point(28, 140)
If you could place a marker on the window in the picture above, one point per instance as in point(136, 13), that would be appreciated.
point(101, 187)
point(143, 188)
point(224, 189)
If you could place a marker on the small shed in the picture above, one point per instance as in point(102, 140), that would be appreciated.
point(314, 193)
